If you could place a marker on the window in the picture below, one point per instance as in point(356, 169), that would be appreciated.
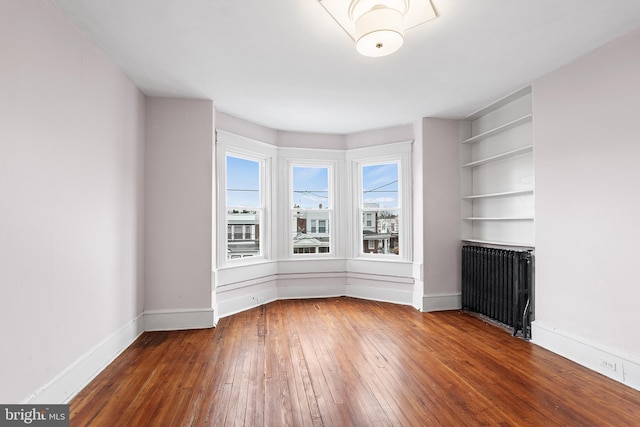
point(380, 207)
point(243, 207)
point(368, 219)
point(311, 209)
point(276, 203)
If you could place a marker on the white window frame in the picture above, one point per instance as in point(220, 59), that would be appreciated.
point(330, 210)
point(399, 153)
point(228, 144)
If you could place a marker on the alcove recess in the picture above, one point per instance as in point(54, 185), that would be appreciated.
point(497, 176)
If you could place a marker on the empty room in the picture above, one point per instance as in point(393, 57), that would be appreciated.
point(319, 212)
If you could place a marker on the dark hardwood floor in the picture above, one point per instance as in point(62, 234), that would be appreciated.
point(344, 361)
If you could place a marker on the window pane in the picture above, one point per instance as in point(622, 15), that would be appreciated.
point(380, 186)
point(243, 208)
point(311, 188)
point(310, 201)
point(381, 237)
point(243, 233)
point(243, 183)
point(307, 238)
point(380, 206)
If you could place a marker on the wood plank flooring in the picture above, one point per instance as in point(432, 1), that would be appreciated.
point(348, 362)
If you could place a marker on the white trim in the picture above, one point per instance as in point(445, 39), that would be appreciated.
point(77, 375)
point(332, 167)
point(237, 305)
point(246, 294)
point(228, 287)
point(418, 271)
point(246, 145)
point(230, 275)
point(400, 154)
point(383, 151)
point(321, 155)
point(240, 296)
point(229, 144)
point(327, 287)
point(363, 289)
point(387, 267)
point(626, 369)
point(441, 302)
point(174, 320)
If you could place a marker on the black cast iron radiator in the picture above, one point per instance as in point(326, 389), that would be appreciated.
point(497, 283)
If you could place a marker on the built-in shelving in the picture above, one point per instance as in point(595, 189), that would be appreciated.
point(499, 129)
point(499, 218)
point(497, 202)
point(505, 155)
point(502, 194)
point(500, 243)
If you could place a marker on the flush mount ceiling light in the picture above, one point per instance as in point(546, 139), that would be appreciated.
point(378, 26)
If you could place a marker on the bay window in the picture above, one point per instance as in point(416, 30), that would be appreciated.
point(314, 203)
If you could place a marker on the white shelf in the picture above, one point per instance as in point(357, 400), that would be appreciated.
point(505, 155)
point(502, 128)
point(503, 194)
point(514, 96)
point(501, 218)
point(492, 242)
point(497, 200)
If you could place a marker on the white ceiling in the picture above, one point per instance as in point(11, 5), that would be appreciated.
point(287, 65)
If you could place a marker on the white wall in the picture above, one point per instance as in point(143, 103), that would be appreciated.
point(71, 164)
point(245, 128)
point(417, 210)
point(587, 147)
point(441, 214)
point(178, 192)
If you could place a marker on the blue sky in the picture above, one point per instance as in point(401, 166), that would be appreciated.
point(311, 187)
point(380, 184)
point(243, 183)
point(310, 184)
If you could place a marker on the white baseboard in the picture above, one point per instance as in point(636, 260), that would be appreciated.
point(441, 302)
point(375, 287)
point(174, 320)
point(394, 296)
point(229, 307)
point(311, 285)
point(608, 362)
point(73, 379)
point(241, 296)
point(306, 292)
point(245, 295)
